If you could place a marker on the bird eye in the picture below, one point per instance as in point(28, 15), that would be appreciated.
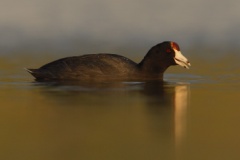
point(168, 50)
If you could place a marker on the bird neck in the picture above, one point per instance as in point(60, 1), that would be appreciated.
point(152, 65)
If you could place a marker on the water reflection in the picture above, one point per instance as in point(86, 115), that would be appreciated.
point(172, 99)
point(181, 104)
point(158, 109)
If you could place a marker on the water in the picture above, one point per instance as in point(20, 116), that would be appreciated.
point(194, 114)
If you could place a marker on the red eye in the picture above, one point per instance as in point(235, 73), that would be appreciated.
point(168, 50)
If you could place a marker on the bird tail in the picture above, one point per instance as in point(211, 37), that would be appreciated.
point(30, 70)
point(35, 73)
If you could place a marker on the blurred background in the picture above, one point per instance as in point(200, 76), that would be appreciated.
point(194, 114)
point(83, 26)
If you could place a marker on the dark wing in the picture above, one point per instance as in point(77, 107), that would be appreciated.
point(86, 67)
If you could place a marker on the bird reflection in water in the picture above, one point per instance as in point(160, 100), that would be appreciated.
point(181, 104)
point(171, 99)
point(159, 108)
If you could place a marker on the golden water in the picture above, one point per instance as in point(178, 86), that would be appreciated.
point(194, 114)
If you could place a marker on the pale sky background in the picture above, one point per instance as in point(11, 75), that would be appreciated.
point(68, 25)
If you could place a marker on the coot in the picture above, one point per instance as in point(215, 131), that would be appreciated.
point(113, 67)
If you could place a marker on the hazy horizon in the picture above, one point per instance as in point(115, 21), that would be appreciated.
point(71, 25)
